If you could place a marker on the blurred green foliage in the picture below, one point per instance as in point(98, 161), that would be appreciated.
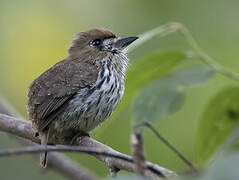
point(167, 95)
point(35, 35)
point(217, 122)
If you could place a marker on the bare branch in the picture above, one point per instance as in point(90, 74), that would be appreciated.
point(23, 129)
point(138, 153)
point(153, 171)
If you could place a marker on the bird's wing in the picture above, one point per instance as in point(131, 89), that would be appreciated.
point(51, 91)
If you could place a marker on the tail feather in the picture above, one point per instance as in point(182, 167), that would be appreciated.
point(43, 155)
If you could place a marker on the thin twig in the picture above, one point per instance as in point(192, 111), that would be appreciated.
point(180, 155)
point(168, 28)
point(39, 148)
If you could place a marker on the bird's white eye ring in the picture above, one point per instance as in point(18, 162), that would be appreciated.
point(96, 42)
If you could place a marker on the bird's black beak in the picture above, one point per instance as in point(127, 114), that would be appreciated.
point(124, 42)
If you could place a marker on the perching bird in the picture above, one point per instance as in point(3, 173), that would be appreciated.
point(78, 93)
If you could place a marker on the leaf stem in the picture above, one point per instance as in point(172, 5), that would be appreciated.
point(168, 28)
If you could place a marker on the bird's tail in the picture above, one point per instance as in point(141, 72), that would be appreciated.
point(43, 155)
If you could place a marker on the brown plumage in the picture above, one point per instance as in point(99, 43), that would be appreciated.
point(80, 45)
point(55, 98)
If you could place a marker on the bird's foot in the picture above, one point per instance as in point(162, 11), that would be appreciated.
point(78, 135)
point(36, 134)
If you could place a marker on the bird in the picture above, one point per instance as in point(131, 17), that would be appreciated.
point(80, 92)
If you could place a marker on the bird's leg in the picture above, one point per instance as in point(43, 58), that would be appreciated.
point(36, 134)
point(113, 171)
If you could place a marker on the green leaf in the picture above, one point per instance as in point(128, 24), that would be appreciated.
point(166, 95)
point(217, 122)
point(155, 102)
point(148, 68)
point(191, 77)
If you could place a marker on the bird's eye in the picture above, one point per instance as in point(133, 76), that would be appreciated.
point(96, 42)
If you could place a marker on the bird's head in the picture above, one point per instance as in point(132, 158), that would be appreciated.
point(97, 44)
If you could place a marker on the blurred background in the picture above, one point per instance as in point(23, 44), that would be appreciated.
point(34, 35)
